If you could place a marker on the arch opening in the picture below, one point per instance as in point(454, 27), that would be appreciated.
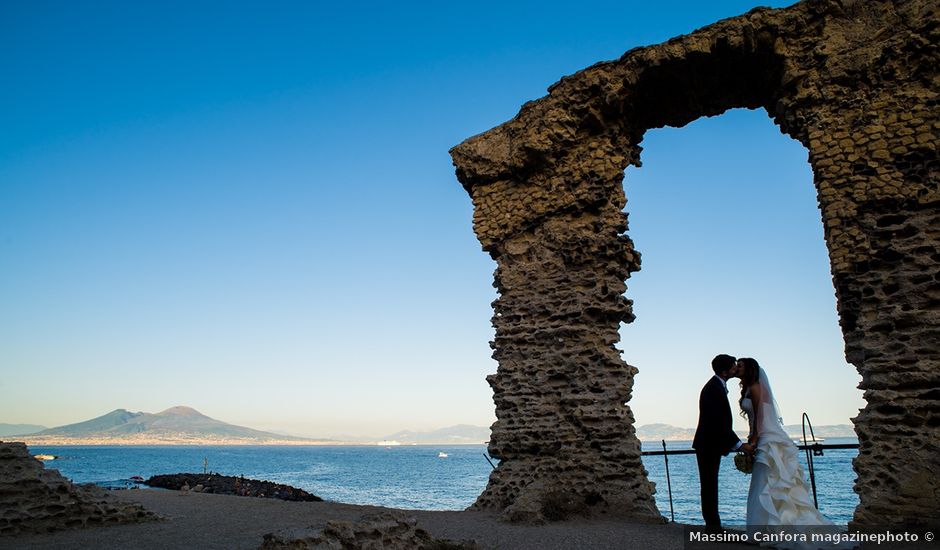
point(725, 215)
point(705, 84)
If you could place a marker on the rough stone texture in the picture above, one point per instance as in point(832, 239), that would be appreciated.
point(383, 531)
point(856, 83)
point(36, 500)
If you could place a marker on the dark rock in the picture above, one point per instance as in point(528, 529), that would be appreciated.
point(231, 485)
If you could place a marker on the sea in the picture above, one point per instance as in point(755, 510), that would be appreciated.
point(421, 478)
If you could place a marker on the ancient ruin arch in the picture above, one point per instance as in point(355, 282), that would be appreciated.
point(854, 82)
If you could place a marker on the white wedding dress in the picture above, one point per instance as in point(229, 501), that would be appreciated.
point(779, 503)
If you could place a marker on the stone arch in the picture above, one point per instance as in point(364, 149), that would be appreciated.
point(854, 82)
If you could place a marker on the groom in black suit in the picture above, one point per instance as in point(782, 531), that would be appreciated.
point(714, 437)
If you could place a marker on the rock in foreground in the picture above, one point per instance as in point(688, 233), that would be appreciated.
point(386, 531)
point(230, 485)
point(36, 500)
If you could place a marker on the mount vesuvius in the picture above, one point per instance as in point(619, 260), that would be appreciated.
point(174, 426)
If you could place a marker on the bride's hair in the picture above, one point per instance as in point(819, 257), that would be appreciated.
point(750, 372)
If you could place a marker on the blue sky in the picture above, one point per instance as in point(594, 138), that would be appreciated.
point(250, 209)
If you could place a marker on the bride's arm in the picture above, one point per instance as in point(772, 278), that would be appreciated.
point(756, 402)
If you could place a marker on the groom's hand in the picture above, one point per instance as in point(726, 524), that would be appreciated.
point(747, 448)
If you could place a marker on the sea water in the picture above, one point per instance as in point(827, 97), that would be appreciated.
point(416, 477)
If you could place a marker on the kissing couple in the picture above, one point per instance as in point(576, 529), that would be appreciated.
point(779, 497)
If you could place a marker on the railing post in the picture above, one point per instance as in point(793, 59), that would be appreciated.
point(809, 456)
point(668, 482)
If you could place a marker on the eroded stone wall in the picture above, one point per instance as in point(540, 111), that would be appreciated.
point(856, 83)
point(36, 500)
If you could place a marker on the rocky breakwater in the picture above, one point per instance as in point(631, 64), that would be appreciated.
point(36, 500)
point(230, 485)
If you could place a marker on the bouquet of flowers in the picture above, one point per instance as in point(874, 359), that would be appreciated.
point(744, 462)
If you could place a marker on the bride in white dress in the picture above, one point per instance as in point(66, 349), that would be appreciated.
point(779, 503)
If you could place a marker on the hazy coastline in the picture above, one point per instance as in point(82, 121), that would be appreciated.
point(182, 425)
point(166, 441)
point(184, 441)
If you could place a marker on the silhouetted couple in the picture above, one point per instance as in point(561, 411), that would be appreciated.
point(779, 495)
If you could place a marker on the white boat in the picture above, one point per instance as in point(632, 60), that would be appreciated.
point(442, 454)
point(45, 457)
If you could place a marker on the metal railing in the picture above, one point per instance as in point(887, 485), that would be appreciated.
point(812, 449)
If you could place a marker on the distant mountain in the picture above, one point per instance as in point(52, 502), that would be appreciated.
point(460, 434)
point(176, 424)
point(831, 430)
point(115, 422)
point(19, 429)
point(657, 432)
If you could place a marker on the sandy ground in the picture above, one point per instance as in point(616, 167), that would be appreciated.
point(206, 521)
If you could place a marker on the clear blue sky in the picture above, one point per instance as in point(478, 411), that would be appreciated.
point(249, 208)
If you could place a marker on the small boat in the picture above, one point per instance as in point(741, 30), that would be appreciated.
point(801, 441)
point(442, 454)
point(45, 457)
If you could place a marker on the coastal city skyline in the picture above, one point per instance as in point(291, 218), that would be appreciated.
point(253, 213)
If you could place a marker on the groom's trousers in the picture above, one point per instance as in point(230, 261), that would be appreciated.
point(708, 463)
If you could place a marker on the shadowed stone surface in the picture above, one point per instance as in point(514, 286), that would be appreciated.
point(382, 531)
point(854, 82)
point(36, 500)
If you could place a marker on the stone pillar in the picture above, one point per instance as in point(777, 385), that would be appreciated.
point(877, 169)
point(895, 341)
point(564, 433)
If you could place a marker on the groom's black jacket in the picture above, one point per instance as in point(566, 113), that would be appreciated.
point(714, 433)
